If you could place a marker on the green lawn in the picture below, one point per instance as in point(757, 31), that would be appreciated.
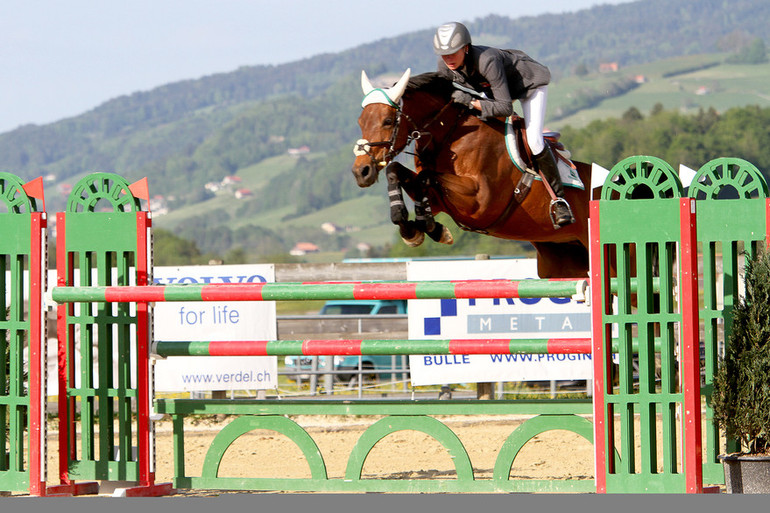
point(728, 85)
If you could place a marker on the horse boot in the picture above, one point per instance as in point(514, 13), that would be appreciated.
point(425, 221)
point(561, 214)
point(409, 230)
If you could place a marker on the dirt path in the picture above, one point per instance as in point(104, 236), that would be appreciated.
point(407, 454)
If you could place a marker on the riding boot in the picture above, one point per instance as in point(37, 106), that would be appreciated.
point(561, 213)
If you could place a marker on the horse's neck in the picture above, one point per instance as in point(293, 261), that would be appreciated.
point(425, 108)
point(432, 115)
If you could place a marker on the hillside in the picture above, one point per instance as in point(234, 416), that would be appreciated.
point(686, 84)
point(186, 137)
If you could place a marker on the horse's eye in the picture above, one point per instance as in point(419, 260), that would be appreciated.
point(388, 122)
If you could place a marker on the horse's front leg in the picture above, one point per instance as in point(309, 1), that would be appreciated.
point(399, 215)
point(417, 190)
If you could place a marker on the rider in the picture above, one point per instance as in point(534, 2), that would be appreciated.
point(502, 76)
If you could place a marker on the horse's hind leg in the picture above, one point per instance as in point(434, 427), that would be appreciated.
point(399, 215)
point(561, 260)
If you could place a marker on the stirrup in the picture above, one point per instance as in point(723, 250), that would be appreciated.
point(551, 212)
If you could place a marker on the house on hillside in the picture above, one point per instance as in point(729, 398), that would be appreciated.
point(303, 248)
point(702, 90)
point(608, 67)
point(243, 193)
point(296, 152)
point(330, 227)
point(230, 180)
point(158, 205)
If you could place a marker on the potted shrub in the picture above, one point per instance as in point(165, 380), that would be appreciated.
point(741, 396)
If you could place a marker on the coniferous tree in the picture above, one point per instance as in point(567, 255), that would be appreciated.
point(741, 398)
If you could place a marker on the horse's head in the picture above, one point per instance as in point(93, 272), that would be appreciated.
point(381, 140)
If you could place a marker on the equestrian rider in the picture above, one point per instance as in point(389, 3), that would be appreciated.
point(502, 76)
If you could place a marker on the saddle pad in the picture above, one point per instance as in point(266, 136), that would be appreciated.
point(569, 176)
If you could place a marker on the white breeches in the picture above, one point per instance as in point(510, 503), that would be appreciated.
point(533, 107)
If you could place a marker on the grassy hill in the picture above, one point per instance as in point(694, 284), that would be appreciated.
point(364, 218)
point(711, 84)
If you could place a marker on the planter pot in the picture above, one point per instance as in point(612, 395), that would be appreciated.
point(746, 473)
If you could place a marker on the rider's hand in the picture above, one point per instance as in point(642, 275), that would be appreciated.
point(462, 98)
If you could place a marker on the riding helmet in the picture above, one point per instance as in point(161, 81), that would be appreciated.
point(450, 37)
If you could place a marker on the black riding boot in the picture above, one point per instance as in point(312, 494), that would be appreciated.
point(560, 211)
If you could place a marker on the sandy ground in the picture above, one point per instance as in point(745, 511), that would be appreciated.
point(405, 454)
point(556, 454)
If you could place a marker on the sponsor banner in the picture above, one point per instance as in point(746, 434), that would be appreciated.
point(210, 321)
point(503, 318)
point(200, 373)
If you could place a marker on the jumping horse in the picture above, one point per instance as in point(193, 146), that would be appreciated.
point(463, 168)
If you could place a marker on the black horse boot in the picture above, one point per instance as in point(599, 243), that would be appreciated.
point(561, 214)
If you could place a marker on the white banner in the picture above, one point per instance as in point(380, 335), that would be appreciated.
point(540, 318)
point(210, 321)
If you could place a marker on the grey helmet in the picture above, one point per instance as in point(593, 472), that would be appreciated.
point(450, 37)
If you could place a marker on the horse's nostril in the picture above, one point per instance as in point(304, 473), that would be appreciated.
point(365, 171)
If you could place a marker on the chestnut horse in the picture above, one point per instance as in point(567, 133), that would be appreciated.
point(462, 168)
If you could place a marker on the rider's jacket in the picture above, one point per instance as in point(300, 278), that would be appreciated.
point(502, 75)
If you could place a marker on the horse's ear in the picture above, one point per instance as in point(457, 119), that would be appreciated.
point(395, 92)
point(366, 85)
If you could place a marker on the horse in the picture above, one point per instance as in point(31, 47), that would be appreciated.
point(462, 168)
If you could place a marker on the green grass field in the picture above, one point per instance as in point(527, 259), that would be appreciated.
point(668, 83)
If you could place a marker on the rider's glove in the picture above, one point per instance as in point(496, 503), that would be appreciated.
point(462, 98)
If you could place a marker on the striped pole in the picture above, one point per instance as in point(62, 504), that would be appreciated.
point(313, 347)
point(291, 291)
point(317, 290)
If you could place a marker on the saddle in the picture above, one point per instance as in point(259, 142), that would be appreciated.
point(518, 151)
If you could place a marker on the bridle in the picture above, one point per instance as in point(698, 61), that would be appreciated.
point(364, 147)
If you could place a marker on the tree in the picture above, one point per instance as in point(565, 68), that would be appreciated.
point(169, 249)
point(581, 69)
point(632, 114)
point(753, 53)
point(741, 397)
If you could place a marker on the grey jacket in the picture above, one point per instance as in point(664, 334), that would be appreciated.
point(504, 75)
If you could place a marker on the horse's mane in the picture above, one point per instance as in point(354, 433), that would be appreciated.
point(431, 83)
point(442, 88)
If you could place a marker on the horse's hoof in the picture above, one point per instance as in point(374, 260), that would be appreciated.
point(446, 236)
point(415, 241)
point(441, 234)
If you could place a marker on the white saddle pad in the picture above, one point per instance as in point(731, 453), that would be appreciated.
point(569, 176)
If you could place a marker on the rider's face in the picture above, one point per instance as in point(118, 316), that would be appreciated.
point(455, 60)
